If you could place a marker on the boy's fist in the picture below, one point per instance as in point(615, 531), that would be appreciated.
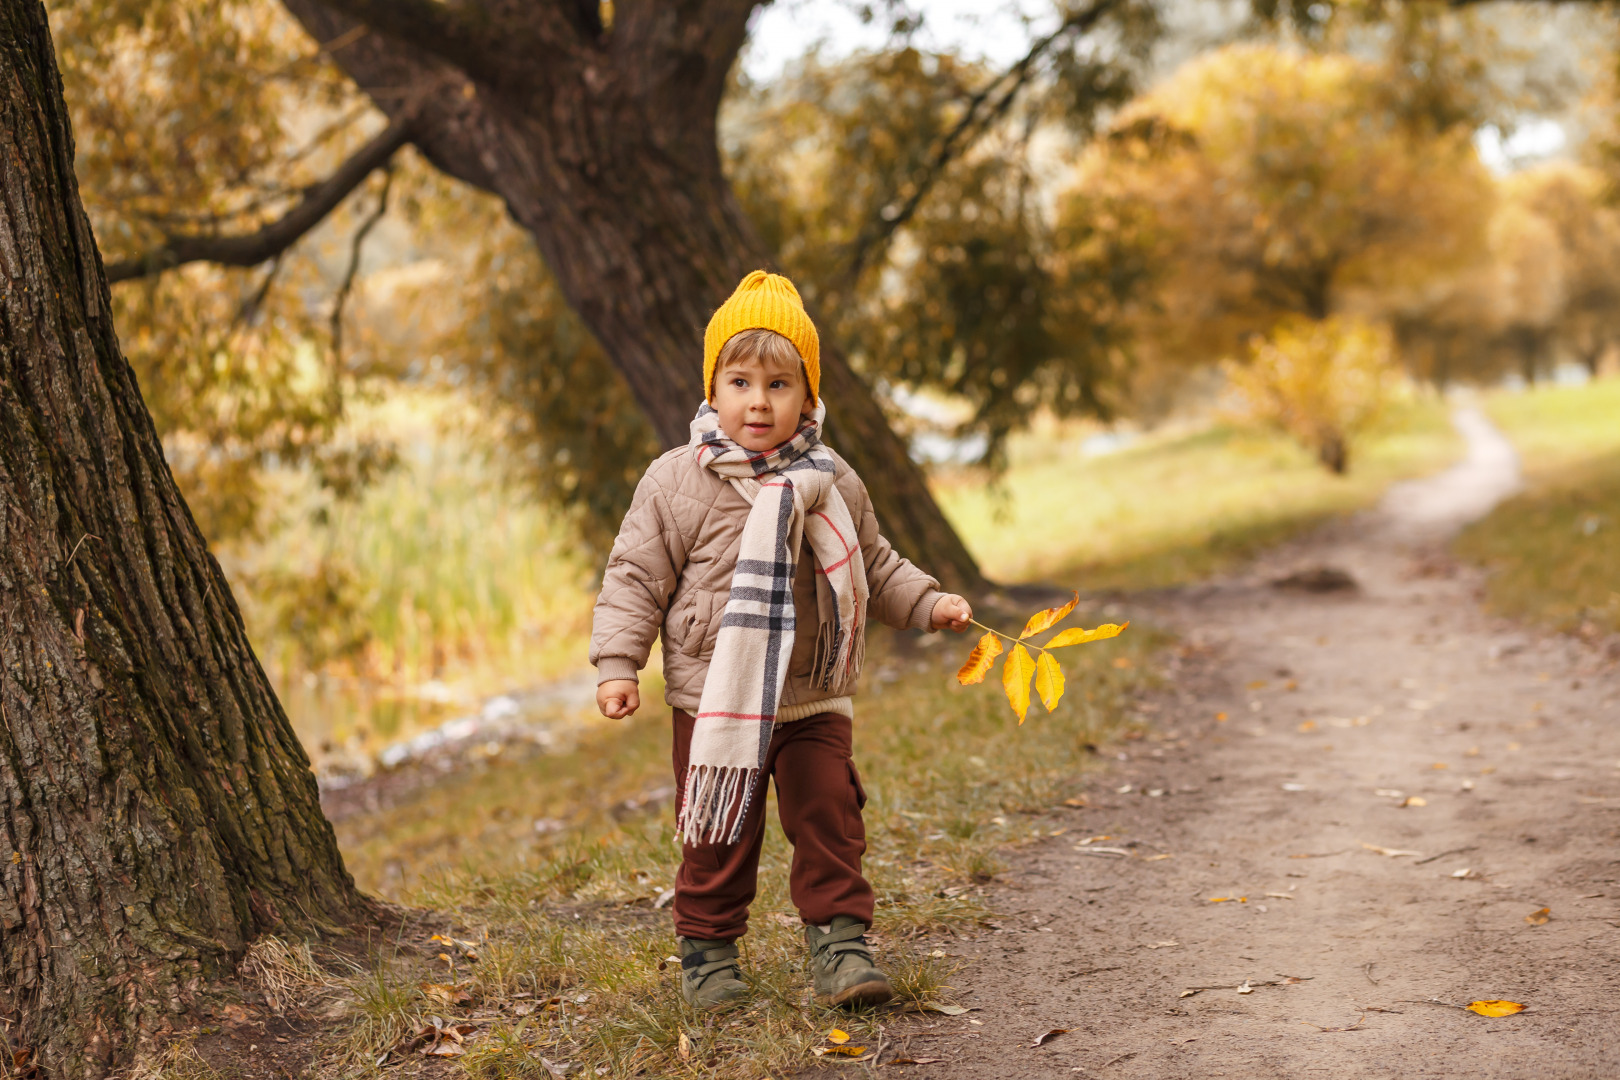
point(952, 611)
point(618, 698)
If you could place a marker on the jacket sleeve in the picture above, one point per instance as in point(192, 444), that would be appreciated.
point(642, 571)
point(902, 596)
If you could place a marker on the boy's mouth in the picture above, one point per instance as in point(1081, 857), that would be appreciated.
point(758, 429)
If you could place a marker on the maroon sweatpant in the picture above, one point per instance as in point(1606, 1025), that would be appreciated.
point(819, 801)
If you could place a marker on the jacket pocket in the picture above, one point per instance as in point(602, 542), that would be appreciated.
point(690, 629)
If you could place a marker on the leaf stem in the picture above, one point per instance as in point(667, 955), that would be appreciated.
point(1009, 637)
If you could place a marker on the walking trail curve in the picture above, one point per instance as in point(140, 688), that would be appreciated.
point(1339, 707)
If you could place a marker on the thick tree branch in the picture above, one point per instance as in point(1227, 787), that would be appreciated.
point(459, 34)
point(983, 110)
point(254, 248)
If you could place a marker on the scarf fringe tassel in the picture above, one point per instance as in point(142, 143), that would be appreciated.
point(837, 663)
point(716, 803)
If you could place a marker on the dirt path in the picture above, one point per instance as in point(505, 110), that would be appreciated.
point(1333, 702)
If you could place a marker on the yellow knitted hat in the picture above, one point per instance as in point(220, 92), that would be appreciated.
point(765, 301)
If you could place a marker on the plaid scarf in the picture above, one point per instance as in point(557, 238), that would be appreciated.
point(791, 490)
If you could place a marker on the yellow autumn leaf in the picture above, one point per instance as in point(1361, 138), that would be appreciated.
point(1495, 1008)
point(1015, 675)
point(1045, 620)
point(980, 660)
point(838, 1036)
point(1078, 636)
point(1540, 917)
point(1048, 681)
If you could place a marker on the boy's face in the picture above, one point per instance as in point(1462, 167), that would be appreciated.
point(760, 404)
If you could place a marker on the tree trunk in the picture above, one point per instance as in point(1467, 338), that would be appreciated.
point(156, 809)
point(606, 152)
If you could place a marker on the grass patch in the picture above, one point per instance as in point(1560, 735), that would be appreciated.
point(1554, 550)
point(572, 962)
point(1178, 507)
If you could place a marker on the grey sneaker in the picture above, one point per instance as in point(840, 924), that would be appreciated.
point(841, 963)
point(710, 975)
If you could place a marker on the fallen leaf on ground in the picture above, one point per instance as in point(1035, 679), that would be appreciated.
point(1394, 853)
point(980, 660)
point(837, 1036)
point(446, 994)
point(1156, 858)
point(1121, 852)
point(1041, 1040)
point(444, 1049)
point(1465, 872)
point(1257, 684)
point(917, 1061)
point(684, 1047)
point(1439, 765)
point(1495, 1008)
point(1045, 620)
point(1245, 988)
point(1220, 718)
point(235, 1014)
point(1162, 945)
point(557, 1071)
point(1293, 787)
point(1414, 800)
point(1309, 725)
point(1094, 839)
point(934, 1006)
point(1539, 918)
point(1077, 801)
point(1280, 895)
point(846, 1051)
point(1229, 899)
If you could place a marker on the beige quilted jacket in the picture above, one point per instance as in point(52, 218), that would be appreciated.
point(671, 568)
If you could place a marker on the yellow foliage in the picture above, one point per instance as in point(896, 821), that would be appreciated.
point(1045, 620)
point(1077, 636)
point(1048, 681)
point(1260, 181)
point(1015, 675)
point(980, 660)
point(1321, 382)
point(1020, 665)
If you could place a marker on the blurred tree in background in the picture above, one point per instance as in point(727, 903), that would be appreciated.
point(1323, 381)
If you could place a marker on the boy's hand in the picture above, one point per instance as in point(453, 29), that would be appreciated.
point(618, 698)
point(952, 611)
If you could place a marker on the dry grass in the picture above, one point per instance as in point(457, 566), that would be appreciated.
point(566, 929)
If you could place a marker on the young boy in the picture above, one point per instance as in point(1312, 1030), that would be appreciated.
point(755, 549)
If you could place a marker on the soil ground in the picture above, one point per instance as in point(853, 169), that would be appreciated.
point(1333, 702)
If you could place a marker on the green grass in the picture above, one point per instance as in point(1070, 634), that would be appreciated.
point(1178, 507)
point(1554, 551)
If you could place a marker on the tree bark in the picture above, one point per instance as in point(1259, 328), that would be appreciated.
point(607, 154)
point(156, 810)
